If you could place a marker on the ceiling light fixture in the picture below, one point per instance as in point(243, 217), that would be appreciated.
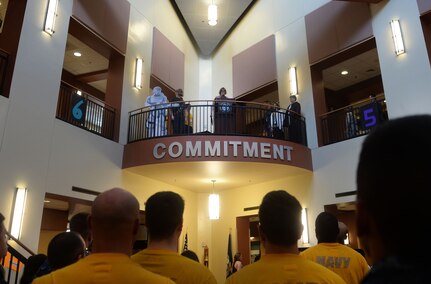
point(77, 54)
point(397, 37)
point(293, 81)
point(18, 212)
point(138, 73)
point(304, 221)
point(344, 72)
point(214, 204)
point(212, 14)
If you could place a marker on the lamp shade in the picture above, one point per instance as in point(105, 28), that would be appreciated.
point(212, 15)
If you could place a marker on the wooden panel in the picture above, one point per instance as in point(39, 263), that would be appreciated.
point(167, 61)
point(243, 238)
point(335, 27)
point(254, 67)
point(54, 220)
point(107, 18)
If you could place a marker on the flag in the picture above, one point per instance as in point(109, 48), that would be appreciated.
point(229, 257)
point(186, 243)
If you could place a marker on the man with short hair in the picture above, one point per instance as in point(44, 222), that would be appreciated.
point(65, 249)
point(280, 228)
point(339, 258)
point(393, 199)
point(164, 221)
point(114, 221)
point(3, 246)
point(79, 223)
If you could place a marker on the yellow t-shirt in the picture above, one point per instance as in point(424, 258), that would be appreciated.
point(103, 268)
point(180, 269)
point(341, 259)
point(284, 268)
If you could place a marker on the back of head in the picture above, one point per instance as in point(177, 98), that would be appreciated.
point(326, 228)
point(163, 214)
point(342, 235)
point(280, 218)
point(64, 249)
point(393, 181)
point(3, 243)
point(190, 254)
point(79, 223)
point(115, 210)
point(31, 267)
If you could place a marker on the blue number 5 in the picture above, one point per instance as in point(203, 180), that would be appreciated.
point(76, 111)
point(370, 117)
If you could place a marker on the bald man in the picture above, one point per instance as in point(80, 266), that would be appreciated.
point(114, 222)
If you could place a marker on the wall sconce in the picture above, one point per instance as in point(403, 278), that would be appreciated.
point(51, 14)
point(212, 14)
point(18, 212)
point(214, 204)
point(293, 81)
point(138, 73)
point(397, 37)
point(304, 221)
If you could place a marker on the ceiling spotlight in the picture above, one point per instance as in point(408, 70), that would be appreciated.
point(344, 72)
point(212, 15)
point(77, 54)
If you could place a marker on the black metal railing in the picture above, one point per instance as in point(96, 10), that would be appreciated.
point(216, 118)
point(354, 120)
point(85, 111)
point(13, 263)
point(4, 59)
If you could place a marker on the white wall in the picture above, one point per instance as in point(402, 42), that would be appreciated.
point(406, 78)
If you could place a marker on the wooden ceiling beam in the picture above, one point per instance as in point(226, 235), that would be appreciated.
point(93, 76)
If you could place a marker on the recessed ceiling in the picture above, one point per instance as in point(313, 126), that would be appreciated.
point(362, 67)
point(90, 61)
point(195, 15)
point(228, 175)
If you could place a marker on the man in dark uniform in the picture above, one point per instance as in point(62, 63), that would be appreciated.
point(177, 113)
point(292, 121)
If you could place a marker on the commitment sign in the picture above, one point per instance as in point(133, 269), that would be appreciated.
point(242, 149)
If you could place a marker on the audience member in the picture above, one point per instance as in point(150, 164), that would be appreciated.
point(164, 221)
point(31, 268)
point(157, 104)
point(64, 249)
point(177, 112)
point(114, 222)
point(237, 262)
point(280, 228)
point(393, 196)
point(224, 118)
point(190, 254)
point(79, 223)
point(3, 247)
point(339, 258)
point(189, 119)
point(292, 121)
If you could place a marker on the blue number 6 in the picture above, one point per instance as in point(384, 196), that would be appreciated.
point(76, 111)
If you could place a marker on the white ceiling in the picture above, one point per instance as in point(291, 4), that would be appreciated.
point(90, 61)
point(195, 14)
point(360, 68)
point(228, 175)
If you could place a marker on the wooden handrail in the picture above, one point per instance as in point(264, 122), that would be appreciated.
point(20, 243)
point(355, 104)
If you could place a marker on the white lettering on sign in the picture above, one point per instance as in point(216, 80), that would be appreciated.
point(192, 149)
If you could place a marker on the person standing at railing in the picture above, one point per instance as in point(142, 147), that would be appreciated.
point(224, 116)
point(177, 112)
point(277, 122)
point(3, 247)
point(189, 119)
point(292, 120)
point(157, 113)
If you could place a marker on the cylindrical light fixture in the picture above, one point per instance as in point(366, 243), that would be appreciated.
point(138, 73)
point(18, 212)
point(212, 15)
point(397, 37)
point(293, 81)
point(214, 206)
point(51, 14)
point(304, 221)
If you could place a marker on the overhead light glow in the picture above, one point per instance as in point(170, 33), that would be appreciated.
point(214, 206)
point(77, 54)
point(212, 15)
point(18, 212)
point(304, 220)
point(397, 37)
point(293, 81)
point(138, 73)
point(344, 72)
point(51, 14)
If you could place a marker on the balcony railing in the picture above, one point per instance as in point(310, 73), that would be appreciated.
point(354, 120)
point(216, 118)
point(85, 111)
point(4, 59)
